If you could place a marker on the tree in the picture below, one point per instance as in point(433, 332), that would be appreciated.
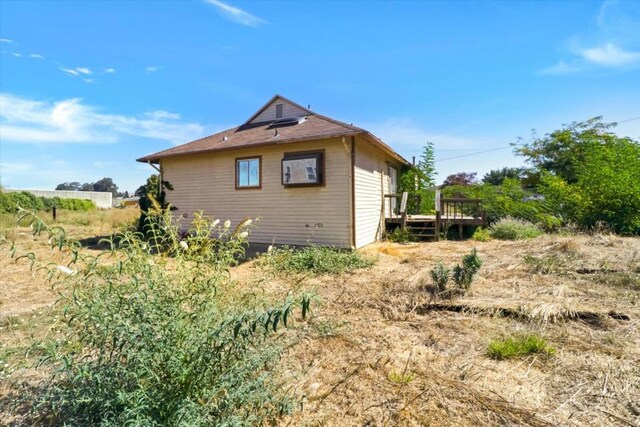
point(497, 176)
point(152, 190)
point(460, 178)
point(561, 151)
point(420, 180)
point(69, 186)
point(106, 185)
point(590, 175)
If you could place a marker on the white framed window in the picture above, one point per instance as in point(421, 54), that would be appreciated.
point(248, 172)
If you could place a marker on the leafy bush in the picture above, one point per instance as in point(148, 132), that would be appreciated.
point(519, 345)
point(514, 229)
point(481, 235)
point(9, 203)
point(508, 200)
point(440, 275)
point(399, 235)
point(314, 260)
point(157, 334)
point(463, 274)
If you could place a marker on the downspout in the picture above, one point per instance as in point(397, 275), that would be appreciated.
point(353, 192)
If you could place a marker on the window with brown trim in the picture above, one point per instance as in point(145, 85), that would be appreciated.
point(303, 169)
point(248, 172)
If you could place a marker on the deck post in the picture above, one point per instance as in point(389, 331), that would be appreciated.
point(403, 210)
point(438, 209)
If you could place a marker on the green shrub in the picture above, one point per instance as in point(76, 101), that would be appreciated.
point(399, 235)
point(481, 235)
point(9, 203)
point(314, 260)
point(440, 276)
point(157, 334)
point(514, 229)
point(463, 274)
point(519, 345)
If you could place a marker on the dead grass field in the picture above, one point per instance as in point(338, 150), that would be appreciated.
point(375, 353)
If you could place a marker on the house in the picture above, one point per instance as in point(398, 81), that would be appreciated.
point(308, 178)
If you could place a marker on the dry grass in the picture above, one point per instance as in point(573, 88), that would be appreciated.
point(371, 356)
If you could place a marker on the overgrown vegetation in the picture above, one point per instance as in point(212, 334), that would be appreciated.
point(519, 345)
point(514, 229)
point(589, 174)
point(314, 260)
point(420, 181)
point(156, 333)
point(481, 234)
point(399, 235)
point(9, 203)
point(462, 275)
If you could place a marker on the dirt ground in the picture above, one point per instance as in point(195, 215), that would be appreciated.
point(377, 353)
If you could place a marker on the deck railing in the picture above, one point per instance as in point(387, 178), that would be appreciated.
point(461, 208)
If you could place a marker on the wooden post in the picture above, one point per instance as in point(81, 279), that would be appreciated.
point(54, 213)
point(403, 210)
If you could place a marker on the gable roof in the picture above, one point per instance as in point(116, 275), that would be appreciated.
point(256, 132)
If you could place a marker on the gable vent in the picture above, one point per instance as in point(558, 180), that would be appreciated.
point(279, 109)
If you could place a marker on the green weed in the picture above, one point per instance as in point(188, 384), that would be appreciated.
point(481, 235)
point(519, 345)
point(314, 260)
point(514, 229)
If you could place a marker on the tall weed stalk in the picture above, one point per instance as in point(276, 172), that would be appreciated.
point(157, 334)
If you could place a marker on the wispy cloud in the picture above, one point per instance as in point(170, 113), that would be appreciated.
point(152, 69)
point(36, 56)
point(110, 70)
point(236, 15)
point(6, 41)
point(25, 120)
point(78, 72)
point(610, 55)
point(16, 54)
point(614, 44)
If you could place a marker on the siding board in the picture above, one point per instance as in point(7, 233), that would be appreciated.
point(295, 216)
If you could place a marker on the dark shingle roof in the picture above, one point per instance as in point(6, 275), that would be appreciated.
point(257, 134)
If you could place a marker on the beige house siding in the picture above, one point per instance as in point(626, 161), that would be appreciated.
point(371, 182)
point(296, 216)
point(288, 110)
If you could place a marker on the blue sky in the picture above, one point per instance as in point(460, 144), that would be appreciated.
point(89, 86)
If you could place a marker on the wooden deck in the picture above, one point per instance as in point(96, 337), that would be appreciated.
point(449, 212)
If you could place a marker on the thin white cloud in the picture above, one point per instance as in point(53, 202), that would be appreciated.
point(236, 15)
point(69, 71)
point(162, 115)
point(6, 41)
point(83, 70)
point(24, 120)
point(36, 56)
point(613, 43)
point(610, 55)
point(152, 69)
point(89, 80)
point(16, 54)
point(110, 70)
point(561, 67)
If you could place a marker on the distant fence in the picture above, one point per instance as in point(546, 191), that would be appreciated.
point(102, 199)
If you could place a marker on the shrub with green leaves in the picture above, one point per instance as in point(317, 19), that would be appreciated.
point(157, 334)
point(314, 260)
point(514, 229)
point(9, 203)
point(463, 274)
point(399, 235)
point(481, 235)
point(519, 345)
point(440, 276)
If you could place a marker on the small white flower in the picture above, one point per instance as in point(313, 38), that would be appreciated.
point(247, 223)
point(269, 249)
point(184, 245)
point(227, 224)
point(66, 270)
point(243, 235)
point(215, 223)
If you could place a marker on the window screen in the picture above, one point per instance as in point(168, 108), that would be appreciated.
point(248, 173)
